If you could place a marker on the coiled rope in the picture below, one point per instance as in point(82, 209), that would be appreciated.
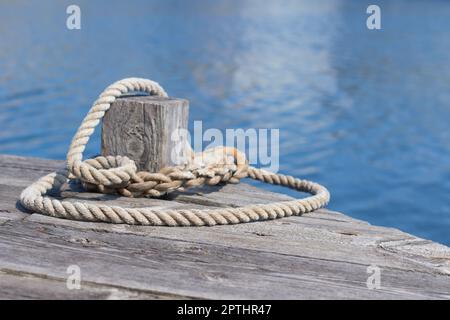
point(119, 174)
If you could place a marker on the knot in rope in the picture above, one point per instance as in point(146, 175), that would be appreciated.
point(211, 167)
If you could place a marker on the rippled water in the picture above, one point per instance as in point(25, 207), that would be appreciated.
point(364, 112)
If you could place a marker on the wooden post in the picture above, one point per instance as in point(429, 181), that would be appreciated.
point(140, 127)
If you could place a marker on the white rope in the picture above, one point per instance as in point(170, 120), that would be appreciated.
point(119, 173)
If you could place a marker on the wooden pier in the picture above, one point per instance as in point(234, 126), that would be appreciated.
point(321, 255)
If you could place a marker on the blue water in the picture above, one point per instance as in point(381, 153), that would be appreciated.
point(365, 113)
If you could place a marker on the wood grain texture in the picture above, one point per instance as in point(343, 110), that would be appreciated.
point(324, 254)
point(22, 285)
point(141, 127)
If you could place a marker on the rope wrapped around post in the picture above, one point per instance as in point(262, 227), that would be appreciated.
point(118, 174)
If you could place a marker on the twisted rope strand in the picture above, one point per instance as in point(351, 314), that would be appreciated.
point(118, 174)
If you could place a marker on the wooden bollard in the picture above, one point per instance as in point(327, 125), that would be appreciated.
point(141, 128)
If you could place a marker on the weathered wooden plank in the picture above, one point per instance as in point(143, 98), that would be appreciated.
point(199, 270)
point(335, 235)
point(21, 171)
point(141, 128)
point(324, 254)
point(284, 237)
point(23, 285)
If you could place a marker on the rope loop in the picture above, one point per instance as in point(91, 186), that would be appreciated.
point(106, 171)
point(118, 174)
